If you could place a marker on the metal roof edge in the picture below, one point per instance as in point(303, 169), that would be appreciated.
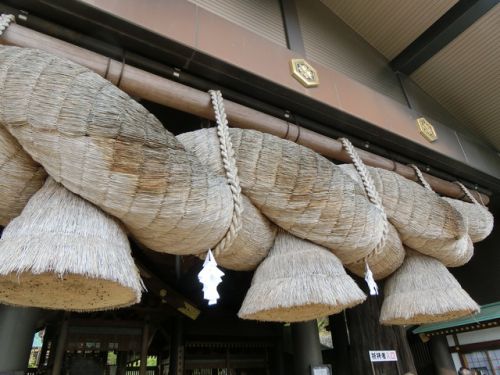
point(488, 312)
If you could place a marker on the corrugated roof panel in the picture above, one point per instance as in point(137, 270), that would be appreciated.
point(465, 77)
point(263, 17)
point(332, 43)
point(390, 25)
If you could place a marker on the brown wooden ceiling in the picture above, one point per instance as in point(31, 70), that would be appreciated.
point(389, 25)
point(464, 76)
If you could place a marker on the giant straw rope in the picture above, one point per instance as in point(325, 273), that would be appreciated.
point(184, 195)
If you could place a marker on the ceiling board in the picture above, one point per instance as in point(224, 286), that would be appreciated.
point(389, 25)
point(465, 77)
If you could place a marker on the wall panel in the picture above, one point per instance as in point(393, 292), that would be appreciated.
point(330, 42)
point(263, 17)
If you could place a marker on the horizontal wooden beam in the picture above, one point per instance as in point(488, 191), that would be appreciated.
point(167, 294)
point(139, 83)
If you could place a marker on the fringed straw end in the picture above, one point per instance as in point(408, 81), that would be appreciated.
point(300, 299)
point(427, 307)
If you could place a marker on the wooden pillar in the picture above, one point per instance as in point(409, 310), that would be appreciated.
point(441, 356)
point(61, 346)
point(144, 349)
point(306, 347)
point(43, 350)
point(17, 327)
point(278, 365)
point(47, 337)
point(121, 363)
point(340, 340)
point(177, 348)
point(366, 333)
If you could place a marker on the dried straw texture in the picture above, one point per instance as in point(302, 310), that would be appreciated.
point(20, 177)
point(424, 291)
point(461, 258)
point(64, 253)
point(478, 220)
point(299, 190)
point(101, 144)
point(384, 262)
point(299, 281)
point(253, 242)
point(425, 221)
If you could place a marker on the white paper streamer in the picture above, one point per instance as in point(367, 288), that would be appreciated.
point(210, 276)
point(372, 285)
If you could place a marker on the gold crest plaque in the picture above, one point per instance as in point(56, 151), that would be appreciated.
point(426, 129)
point(303, 72)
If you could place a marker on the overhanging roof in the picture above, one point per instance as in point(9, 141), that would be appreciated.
point(464, 77)
point(488, 312)
point(449, 48)
point(390, 26)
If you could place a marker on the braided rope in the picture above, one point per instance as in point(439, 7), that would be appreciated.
point(421, 178)
point(370, 190)
point(467, 192)
point(229, 163)
point(5, 21)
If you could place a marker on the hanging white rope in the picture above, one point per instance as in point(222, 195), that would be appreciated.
point(376, 200)
point(211, 276)
point(467, 193)
point(230, 169)
point(5, 21)
point(421, 177)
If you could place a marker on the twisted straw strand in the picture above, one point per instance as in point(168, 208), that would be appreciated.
point(370, 190)
point(467, 192)
point(229, 163)
point(421, 178)
point(5, 21)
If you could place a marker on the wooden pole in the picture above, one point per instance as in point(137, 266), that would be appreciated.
point(17, 327)
point(121, 363)
point(61, 346)
point(278, 364)
point(340, 340)
point(144, 349)
point(441, 356)
point(306, 347)
point(367, 334)
point(139, 83)
point(47, 336)
point(177, 347)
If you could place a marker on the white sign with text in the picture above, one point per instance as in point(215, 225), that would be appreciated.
point(383, 355)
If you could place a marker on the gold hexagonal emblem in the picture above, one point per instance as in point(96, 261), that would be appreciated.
point(426, 129)
point(303, 72)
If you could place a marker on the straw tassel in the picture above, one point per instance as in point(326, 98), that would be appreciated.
point(421, 291)
point(64, 253)
point(299, 281)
